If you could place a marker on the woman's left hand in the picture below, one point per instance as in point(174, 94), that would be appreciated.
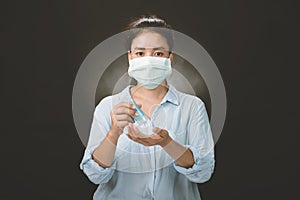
point(159, 137)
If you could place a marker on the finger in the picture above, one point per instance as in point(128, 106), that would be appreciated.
point(149, 141)
point(136, 139)
point(124, 110)
point(155, 136)
point(126, 104)
point(122, 105)
point(138, 133)
point(163, 133)
point(135, 132)
point(156, 130)
point(131, 131)
point(124, 117)
point(142, 141)
point(122, 124)
point(116, 108)
point(153, 139)
point(130, 136)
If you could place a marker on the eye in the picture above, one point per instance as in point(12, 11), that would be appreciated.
point(139, 53)
point(158, 53)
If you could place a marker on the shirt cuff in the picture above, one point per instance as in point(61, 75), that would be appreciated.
point(202, 169)
point(192, 169)
point(94, 171)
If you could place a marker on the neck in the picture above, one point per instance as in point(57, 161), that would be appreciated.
point(155, 94)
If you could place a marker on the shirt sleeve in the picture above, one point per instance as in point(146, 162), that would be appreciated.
point(201, 144)
point(99, 128)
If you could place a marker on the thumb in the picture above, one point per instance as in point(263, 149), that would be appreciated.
point(162, 133)
point(156, 130)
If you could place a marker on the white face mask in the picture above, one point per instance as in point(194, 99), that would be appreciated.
point(150, 71)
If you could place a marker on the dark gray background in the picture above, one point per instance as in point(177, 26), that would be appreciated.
point(254, 43)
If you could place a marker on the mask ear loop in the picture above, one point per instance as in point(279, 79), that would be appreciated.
point(129, 51)
point(170, 52)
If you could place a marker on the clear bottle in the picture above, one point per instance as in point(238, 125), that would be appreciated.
point(142, 121)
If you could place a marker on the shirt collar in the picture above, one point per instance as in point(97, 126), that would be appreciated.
point(171, 96)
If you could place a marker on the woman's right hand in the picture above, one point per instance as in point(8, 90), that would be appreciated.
point(121, 116)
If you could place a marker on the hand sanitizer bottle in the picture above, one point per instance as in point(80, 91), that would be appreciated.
point(142, 121)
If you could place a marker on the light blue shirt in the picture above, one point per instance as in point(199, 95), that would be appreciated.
point(141, 172)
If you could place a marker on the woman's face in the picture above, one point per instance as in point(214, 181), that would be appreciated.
point(149, 44)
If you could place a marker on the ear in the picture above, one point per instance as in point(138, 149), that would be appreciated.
point(171, 57)
point(129, 55)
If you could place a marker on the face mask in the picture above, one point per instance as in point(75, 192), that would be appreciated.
point(150, 71)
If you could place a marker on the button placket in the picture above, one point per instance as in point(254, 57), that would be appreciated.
point(153, 157)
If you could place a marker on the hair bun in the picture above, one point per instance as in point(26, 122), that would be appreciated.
point(149, 20)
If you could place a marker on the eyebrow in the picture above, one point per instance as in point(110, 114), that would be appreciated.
point(156, 48)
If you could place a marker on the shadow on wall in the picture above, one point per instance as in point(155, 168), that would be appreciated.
point(184, 78)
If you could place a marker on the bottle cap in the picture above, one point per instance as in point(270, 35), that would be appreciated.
point(138, 110)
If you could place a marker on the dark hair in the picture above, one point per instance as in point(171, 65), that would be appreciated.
point(149, 23)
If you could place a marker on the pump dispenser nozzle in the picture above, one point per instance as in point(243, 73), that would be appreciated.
point(142, 122)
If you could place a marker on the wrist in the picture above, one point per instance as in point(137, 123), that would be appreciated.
point(166, 142)
point(113, 136)
point(115, 131)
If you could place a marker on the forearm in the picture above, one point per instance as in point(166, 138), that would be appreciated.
point(182, 155)
point(105, 152)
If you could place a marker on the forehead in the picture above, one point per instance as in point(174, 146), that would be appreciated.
point(148, 39)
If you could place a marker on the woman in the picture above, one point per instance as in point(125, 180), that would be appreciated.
point(167, 164)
